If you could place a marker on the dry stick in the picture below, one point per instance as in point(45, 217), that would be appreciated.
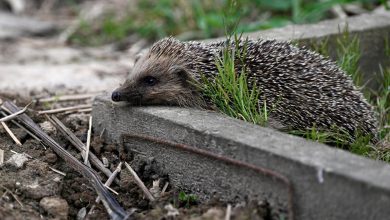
point(13, 195)
point(111, 178)
point(71, 137)
point(112, 190)
point(58, 110)
point(164, 188)
point(57, 171)
point(88, 140)
point(1, 157)
point(79, 111)
point(228, 212)
point(22, 127)
point(112, 206)
point(139, 182)
point(14, 115)
point(16, 140)
point(85, 110)
point(67, 97)
point(25, 154)
point(101, 133)
point(107, 183)
point(79, 145)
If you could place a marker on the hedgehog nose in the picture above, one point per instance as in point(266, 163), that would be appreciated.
point(116, 96)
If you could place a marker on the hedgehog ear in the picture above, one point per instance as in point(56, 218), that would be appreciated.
point(180, 72)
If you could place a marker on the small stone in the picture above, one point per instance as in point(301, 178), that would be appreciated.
point(81, 213)
point(51, 158)
point(47, 127)
point(35, 190)
point(105, 161)
point(213, 214)
point(55, 206)
point(17, 160)
point(172, 211)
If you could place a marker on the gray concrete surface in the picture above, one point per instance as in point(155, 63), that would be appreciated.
point(42, 64)
point(328, 183)
point(12, 26)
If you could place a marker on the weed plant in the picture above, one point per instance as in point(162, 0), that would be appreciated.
point(233, 95)
point(231, 92)
point(348, 55)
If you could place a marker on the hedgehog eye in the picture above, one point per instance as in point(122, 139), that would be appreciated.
point(150, 80)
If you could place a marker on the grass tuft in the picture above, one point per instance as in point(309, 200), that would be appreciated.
point(348, 55)
point(230, 91)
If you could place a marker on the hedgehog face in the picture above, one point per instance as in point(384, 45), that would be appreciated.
point(156, 81)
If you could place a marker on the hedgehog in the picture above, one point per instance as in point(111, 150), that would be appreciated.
point(304, 88)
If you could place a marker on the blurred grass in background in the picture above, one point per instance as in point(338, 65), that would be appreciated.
point(198, 19)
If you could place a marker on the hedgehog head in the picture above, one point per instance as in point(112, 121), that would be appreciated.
point(160, 76)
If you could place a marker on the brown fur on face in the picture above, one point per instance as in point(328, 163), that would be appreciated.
point(171, 84)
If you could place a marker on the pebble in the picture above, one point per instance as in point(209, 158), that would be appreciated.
point(81, 214)
point(213, 214)
point(171, 211)
point(17, 160)
point(36, 190)
point(47, 127)
point(51, 158)
point(55, 206)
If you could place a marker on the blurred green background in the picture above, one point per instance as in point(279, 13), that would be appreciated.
point(198, 19)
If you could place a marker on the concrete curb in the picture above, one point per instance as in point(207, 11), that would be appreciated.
point(328, 183)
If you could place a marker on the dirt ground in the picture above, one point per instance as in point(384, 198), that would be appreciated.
point(32, 188)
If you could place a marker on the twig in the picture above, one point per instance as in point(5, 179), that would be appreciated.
point(112, 206)
point(139, 182)
point(71, 137)
point(88, 140)
point(14, 115)
point(1, 157)
point(13, 195)
point(67, 98)
point(228, 212)
point(79, 145)
point(25, 154)
point(164, 188)
point(113, 191)
point(79, 111)
point(57, 171)
point(107, 183)
point(101, 133)
point(58, 110)
point(111, 178)
point(22, 127)
point(16, 140)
